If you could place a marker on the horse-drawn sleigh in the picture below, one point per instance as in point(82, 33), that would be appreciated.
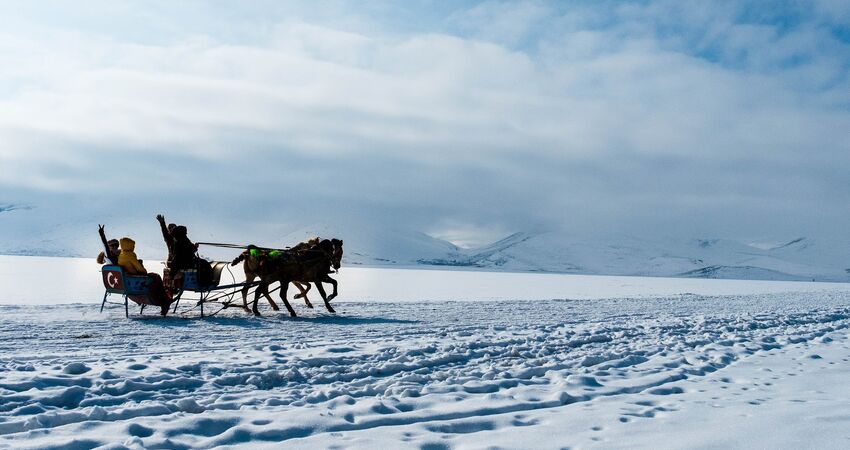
point(303, 264)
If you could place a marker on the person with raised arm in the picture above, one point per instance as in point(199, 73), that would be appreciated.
point(167, 236)
point(110, 248)
point(182, 254)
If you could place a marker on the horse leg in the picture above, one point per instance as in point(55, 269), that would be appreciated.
point(303, 293)
point(263, 285)
point(284, 285)
point(324, 297)
point(249, 278)
point(269, 298)
point(332, 282)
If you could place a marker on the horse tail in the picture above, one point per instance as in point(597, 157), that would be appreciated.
point(238, 259)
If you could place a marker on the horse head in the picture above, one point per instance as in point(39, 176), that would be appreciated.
point(332, 249)
point(336, 256)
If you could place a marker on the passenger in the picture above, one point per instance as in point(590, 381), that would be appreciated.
point(127, 258)
point(185, 257)
point(110, 248)
point(167, 236)
point(183, 250)
point(171, 278)
point(133, 266)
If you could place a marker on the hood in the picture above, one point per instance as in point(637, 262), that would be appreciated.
point(127, 244)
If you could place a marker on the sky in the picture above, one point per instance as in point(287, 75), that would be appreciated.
point(464, 120)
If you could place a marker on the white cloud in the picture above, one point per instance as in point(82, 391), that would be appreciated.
point(510, 114)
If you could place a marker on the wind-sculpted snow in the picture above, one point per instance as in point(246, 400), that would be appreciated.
point(428, 374)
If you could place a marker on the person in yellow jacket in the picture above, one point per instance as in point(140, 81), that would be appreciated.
point(132, 266)
point(127, 258)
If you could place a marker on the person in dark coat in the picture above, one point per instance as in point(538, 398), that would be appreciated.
point(166, 236)
point(182, 249)
point(184, 256)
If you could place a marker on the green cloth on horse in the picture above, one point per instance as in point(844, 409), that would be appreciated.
point(256, 253)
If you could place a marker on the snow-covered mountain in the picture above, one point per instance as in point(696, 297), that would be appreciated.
point(797, 258)
point(794, 259)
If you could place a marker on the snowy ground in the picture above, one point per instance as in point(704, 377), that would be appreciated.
point(678, 366)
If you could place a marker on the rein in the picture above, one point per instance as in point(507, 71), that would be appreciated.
point(318, 253)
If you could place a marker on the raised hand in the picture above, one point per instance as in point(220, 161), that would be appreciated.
point(160, 217)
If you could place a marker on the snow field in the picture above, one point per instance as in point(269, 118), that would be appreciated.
point(52, 281)
point(506, 374)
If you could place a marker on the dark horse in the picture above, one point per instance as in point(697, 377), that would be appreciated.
point(252, 261)
point(311, 266)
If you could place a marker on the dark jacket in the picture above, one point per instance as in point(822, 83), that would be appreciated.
point(169, 241)
point(182, 250)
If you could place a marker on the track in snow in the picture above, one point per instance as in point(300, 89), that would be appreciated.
point(69, 374)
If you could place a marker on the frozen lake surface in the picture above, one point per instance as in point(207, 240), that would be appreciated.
point(430, 359)
point(44, 280)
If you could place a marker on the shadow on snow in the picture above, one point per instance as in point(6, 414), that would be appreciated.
point(268, 320)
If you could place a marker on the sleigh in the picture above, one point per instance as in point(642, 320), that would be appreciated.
point(130, 287)
point(186, 286)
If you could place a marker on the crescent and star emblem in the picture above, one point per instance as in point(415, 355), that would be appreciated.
point(112, 280)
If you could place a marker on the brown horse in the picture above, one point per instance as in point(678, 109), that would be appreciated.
point(251, 266)
point(312, 265)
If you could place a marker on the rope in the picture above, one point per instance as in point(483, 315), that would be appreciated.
point(215, 299)
point(233, 292)
point(218, 244)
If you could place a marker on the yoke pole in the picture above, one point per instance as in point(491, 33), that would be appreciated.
point(239, 246)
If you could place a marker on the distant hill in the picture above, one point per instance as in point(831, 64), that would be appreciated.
point(797, 258)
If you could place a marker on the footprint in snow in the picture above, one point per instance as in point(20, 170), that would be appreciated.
point(667, 391)
point(435, 446)
point(461, 427)
point(139, 430)
point(524, 423)
point(75, 368)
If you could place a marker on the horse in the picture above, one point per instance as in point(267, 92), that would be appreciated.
point(251, 265)
point(312, 265)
